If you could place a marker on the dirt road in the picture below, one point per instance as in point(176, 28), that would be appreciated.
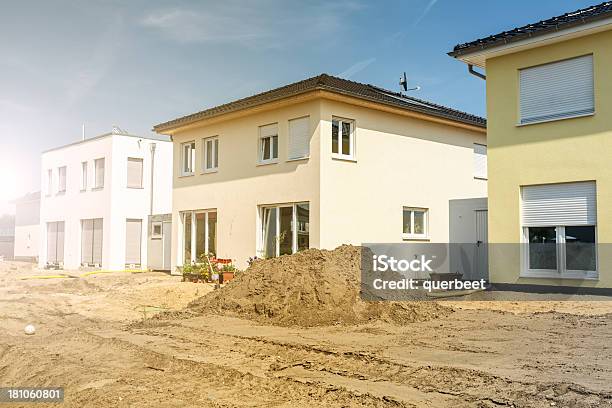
point(93, 340)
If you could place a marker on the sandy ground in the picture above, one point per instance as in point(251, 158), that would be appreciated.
point(93, 339)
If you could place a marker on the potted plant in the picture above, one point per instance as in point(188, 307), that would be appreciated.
point(227, 273)
point(187, 272)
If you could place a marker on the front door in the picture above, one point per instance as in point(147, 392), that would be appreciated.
point(482, 250)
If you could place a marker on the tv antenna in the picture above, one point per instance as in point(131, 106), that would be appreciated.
point(404, 84)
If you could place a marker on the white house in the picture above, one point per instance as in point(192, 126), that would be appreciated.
point(96, 199)
point(320, 163)
point(27, 227)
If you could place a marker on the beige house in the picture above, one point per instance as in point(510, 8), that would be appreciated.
point(320, 163)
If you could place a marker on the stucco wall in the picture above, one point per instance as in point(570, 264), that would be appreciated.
point(241, 184)
point(114, 203)
point(567, 150)
point(401, 161)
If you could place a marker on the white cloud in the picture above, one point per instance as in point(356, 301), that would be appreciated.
point(355, 68)
point(267, 24)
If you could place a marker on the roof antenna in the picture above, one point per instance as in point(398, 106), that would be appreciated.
point(404, 84)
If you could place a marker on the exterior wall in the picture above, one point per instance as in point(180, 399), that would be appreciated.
point(344, 207)
point(567, 150)
point(400, 162)
point(114, 202)
point(241, 184)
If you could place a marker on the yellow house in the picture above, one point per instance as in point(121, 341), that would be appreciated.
point(320, 163)
point(549, 112)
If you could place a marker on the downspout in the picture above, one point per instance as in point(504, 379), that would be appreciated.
point(153, 146)
point(476, 73)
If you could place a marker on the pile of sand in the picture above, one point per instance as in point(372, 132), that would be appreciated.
point(310, 288)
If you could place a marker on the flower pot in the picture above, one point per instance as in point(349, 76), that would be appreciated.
point(226, 277)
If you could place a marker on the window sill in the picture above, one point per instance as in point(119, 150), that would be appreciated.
point(585, 115)
point(135, 188)
point(409, 237)
point(186, 175)
point(60, 193)
point(265, 163)
point(83, 190)
point(97, 188)
point(298, 159)
point(544, 274)
point(344, 158)
point(210, 171)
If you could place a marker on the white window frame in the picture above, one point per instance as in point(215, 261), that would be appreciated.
point(191, 158)
point(561, 272)
point(475, 159)
point(260, 146)
point(49, 182)
point(352, 139)
point(159, 224)
point(214, 141)
point(141, 185)
point(411, 234)
point(96, 161)
point(181, 254)
point(84, 171)
point(294, 224)
point(62, 189)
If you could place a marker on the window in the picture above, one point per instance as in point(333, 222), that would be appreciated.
point(558, 90)
point(55, 243)
point(49, 182)
point(134, 172)
point(133, 242)
point(559, 230)
point(91, 242)
point(480, 161)
point(61, 179)
point(343, 138)
point(199, 234)
point(156, 229)
point(83, 176)
point(299, 138)
point(268, 143)
point(211, 154)
point(285, 229)
point(99, 173)
point(188, 152)
point(415, 223)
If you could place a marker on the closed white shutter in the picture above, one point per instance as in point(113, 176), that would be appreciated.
point(61, 186)
point(480, 161)
point(134, 172)
point(268, 130)
point(299, 138)
point(557, 90)
point(568, 204)
point(86, 242)
point(52, 242)
point(97, 241)
point(99, 175)
point(133, 237)
point(60, 242)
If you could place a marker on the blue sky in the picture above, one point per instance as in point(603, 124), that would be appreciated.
point(137, 63)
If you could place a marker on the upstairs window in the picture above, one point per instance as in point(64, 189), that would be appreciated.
point(99, 173)
point(480, 161)
point(134, 172)
point(188, 152)
point(268, 143)
point(211, 154)
point(343, 138)
point(61, 179)
point(299, 138)
point(49, 182)
point(558, 90)
point(83, 176)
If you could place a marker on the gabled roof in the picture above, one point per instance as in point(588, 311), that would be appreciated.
point(329, 83)
point(565, 21)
